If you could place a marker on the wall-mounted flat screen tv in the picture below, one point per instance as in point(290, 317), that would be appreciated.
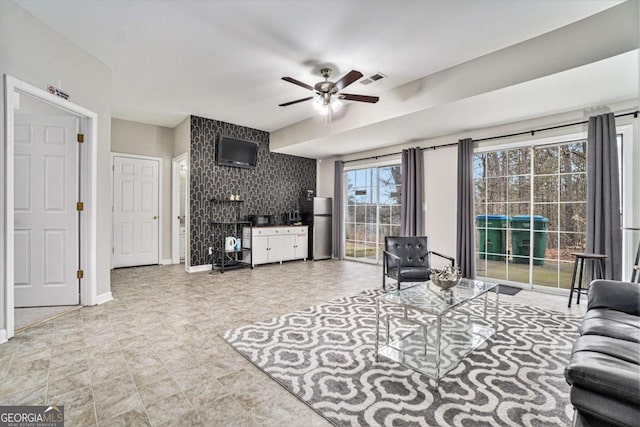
point(236, 152)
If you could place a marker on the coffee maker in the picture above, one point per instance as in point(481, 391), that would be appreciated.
point(292, 218)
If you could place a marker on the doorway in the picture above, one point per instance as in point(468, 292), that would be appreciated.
point(136, 206)
point(372, 210)
point(46, 193)
point(179, 209)
point(50, 198)
point(531, 209)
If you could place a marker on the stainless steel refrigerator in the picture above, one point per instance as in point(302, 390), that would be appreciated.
point(316, 212)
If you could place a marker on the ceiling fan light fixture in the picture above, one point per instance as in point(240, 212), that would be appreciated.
point(327, 94)
point(317, 103)
point(323, 103)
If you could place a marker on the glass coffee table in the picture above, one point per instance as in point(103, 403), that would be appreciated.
point(430, 330)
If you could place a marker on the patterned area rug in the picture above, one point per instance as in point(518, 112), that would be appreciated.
point(325, 356)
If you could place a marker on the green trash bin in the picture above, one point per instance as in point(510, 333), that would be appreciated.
point(521, 238)
point(492, 230)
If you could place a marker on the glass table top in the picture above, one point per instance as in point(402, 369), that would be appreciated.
point(429, 298)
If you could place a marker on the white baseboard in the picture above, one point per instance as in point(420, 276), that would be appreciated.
point(102, 298)
point(199, 268)
point(3, 336)
point(166, 262)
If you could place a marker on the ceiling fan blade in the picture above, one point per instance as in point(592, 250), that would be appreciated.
point(348, 78)
point(297, 82)
point(296, 101)
point(361, 98)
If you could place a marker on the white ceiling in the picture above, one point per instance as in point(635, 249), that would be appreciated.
point(224, 59)
point(614, 80)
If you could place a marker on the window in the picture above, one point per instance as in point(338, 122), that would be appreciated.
point(372, 211)
point(531, 208)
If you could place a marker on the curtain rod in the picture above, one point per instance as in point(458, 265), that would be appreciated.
point(530, 132)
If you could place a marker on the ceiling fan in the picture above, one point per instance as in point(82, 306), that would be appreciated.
point(326, 89)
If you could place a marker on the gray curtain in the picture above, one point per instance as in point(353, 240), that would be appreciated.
point(338, 212)
point(465, 255)
point(604, 235)
point(411, 215)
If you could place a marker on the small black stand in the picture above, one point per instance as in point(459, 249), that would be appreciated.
point(221, 258)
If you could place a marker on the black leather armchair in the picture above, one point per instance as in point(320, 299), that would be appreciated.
point(407, 259)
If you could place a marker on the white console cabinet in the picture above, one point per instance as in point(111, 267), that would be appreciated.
point(276, 244)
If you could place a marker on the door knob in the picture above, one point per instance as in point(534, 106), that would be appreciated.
point(155, 217)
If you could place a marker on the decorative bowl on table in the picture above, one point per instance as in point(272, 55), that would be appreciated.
point(445, 279)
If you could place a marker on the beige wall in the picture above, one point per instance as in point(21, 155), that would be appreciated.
point(149, 140)
point(440, 199)
point(34, 53)
point(182, 137)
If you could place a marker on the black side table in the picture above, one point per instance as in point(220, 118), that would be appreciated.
point(580, 258)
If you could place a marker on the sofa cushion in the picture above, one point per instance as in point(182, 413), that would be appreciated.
point(606, 411)
point(619, 296)
point(606, 365)
point(611, 323)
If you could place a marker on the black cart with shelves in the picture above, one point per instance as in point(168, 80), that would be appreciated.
point(223, 259)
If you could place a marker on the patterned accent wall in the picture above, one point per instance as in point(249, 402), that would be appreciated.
point(273, 187)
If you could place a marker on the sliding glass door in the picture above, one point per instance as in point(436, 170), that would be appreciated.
point(372, 211)
point(531, 210)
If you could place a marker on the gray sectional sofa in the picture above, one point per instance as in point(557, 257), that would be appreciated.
point(604, 371)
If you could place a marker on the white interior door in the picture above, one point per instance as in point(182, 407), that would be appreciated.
point(46, 248)
point(135, 211)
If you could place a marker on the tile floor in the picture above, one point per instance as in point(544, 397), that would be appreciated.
point(152, 356)
point(29, 316)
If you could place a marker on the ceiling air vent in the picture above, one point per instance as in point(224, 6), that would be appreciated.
point(373, 78)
